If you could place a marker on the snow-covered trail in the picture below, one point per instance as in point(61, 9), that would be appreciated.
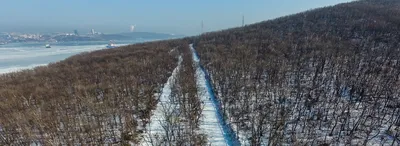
point(209, 122)
point(212, 124)
point(218, 132)
point(155, 124)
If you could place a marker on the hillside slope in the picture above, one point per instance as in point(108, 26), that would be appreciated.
point(328, 76)
point(325, 76)
point(94, 98)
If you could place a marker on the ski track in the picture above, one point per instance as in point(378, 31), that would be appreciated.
point(154, 126)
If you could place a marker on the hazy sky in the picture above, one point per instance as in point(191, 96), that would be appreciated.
point(168, 16)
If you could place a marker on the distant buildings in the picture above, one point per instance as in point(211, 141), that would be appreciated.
point(20, 37)
point(93, 32)
point(90, 35)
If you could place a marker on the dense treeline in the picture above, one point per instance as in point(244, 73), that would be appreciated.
point(326, 76)
point(92, 98)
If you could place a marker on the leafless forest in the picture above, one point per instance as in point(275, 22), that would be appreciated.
point(326, 76)
point(329, 76)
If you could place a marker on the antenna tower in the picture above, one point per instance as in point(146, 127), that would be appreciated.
point(202, 26)
point(242, 20)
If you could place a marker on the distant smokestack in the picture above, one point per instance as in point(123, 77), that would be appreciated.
point(132, 28)
point(93, 32)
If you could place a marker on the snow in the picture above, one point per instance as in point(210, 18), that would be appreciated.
point(156, 120)
point(16, 68)
point(210, 123)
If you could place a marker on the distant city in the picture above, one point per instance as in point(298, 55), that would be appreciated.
point(75, 35)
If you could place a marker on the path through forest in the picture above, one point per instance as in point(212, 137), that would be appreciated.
point(218, 131)
point(212, 124)
point(155, 126)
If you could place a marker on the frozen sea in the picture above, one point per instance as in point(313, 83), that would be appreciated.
point(18, 56)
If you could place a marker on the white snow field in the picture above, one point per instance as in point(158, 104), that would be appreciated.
point(16, 68)
point(16, 58)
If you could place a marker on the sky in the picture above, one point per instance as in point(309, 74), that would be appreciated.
point(164, 16)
